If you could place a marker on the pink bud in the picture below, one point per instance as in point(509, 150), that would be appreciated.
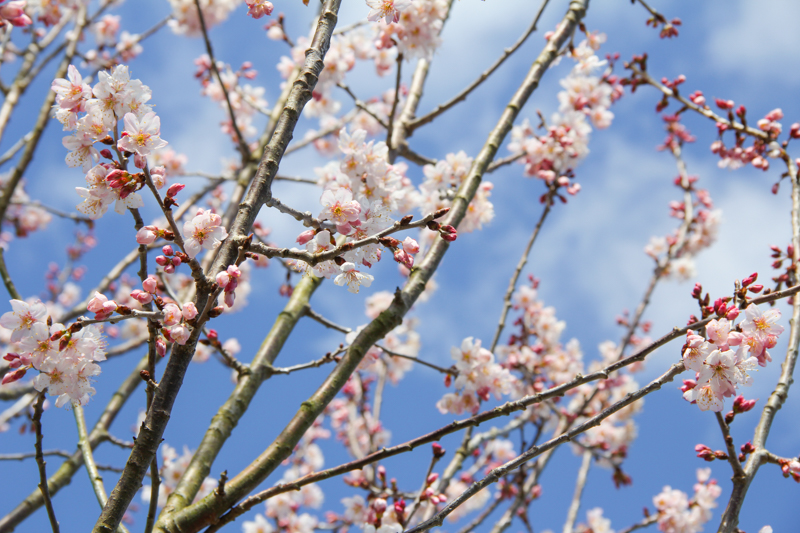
point(305, 237)
point(403, 258)
point(432, 478)
point(167, 250)
point(410, 246)
point(438, 451)
point(176, 260)
point(189, 310)
point(230, 296)
point(379, 505)
point(161, 347)
point(10, 377)
point(150, 284)
point(223, 278)
point(163, 261)
point(141, 296)
point(733, 312)
point(146, 235)
point(139, 161)
point(449, 237)
point(174, 189)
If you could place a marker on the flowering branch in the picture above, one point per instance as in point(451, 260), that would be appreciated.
point(313, 259)
point(534, 451)
point(7, 281)
point(730, 519)
point(64, 474)
point(243, 148)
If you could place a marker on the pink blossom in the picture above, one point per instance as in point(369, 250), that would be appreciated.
point(22, 317)
point(189, 310)
point(146, 235)
point(305, 237)
point(71, 93)
point(203, 231)
point(101, 306)
point(258, 8)
point(389, 10)
point(141, 296)
point(172, 314)
point(141, 136)
point(340, 208)
point(410, 246)
point(150, 284)
point(179, 334)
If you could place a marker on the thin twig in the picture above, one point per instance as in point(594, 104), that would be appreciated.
point(441, 108)
point(580, 483)
point(243, 148)
point(37, 427)
point(523, 260)
point(7, 281)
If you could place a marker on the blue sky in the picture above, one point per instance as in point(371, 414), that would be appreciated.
point(589, 256)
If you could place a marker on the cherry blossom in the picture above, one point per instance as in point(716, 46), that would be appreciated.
point(352, 278)
point(141, 136)
point(389, 10)
point(203, 231)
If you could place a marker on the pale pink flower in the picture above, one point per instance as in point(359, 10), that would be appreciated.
point(258, 8)
point(203, 231)
point(189, 310)
point(141, 136)
point(389, 10)
point(172, 314)
point(340, 208)
point(352, 278)
point(71, 93)
point(101, 306)
point(22, 317)
point(179, 334)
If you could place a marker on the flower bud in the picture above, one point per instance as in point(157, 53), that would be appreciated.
point(410, 245)
point(167, 250)
point(146, 235)
point(189, 310)
point(174, 189)
point(150, 284)
point(305, 237)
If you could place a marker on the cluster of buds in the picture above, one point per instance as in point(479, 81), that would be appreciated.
point(14, 13)
point(446, 231)
point(403, 252)
point(124, 182)
point(229, 280)
point(668, 29)
point(707, 454)
point(789, 275)
point(790, 467)
point(740, 405)
point(170, 259)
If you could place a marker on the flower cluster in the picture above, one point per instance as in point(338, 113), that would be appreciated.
point(479, 377)
point(415, 28)
point(246, 100)
point(439, 187)
point(172, 468)
point(184, 20)
point(64, 357)
point(586, 97)
point(361, 193)
point(719, 369)
point(92, 115)
point(204, 230)
point(675, 253)
point(678, 514)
